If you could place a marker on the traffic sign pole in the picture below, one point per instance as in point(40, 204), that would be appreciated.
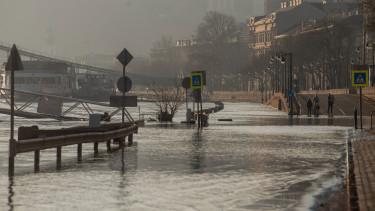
point(11, 140)
point(123, 95)
point(124, 57)
point(360, 107)
point(14, 64)
point(360, 78)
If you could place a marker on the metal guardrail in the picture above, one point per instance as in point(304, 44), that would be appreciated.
point(33, 140)
point(30, 145)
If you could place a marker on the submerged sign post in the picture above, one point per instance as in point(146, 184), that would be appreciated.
point(197, 81)
point(14, 64)
point(360, 79)
point(124, 58)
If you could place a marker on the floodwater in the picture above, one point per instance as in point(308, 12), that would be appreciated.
point(260, 161)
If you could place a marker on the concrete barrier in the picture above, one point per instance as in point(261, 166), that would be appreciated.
point(332, 91)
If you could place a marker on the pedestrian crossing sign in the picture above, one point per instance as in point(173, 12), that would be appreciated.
point(196, 80)
point(360, 76)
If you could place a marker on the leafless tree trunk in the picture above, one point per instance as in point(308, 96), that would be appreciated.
point(369, 14)
point(168, 100)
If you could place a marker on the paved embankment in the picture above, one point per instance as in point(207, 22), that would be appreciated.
point(364, 173)
point(344, 104)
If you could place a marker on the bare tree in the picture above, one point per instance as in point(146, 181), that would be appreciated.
point(369, 14)
point(217, 28)
point(220, 51)
point(168, 100)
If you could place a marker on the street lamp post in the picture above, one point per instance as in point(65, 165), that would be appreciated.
point(291, 84)
point(372, 47)
point(278, 77)
point(285, 79)
point(288, 81)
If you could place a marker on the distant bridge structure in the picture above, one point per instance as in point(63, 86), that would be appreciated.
point(137, 78)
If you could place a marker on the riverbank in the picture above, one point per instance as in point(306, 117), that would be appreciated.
point(235, 96)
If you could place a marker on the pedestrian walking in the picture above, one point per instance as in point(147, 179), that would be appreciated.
point(309, 107)
point(331, 101)
point(316, 105)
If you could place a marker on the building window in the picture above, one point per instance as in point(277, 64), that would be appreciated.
point(263, 37)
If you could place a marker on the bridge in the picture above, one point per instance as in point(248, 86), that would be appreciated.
point(137, 78)
point(32, 99)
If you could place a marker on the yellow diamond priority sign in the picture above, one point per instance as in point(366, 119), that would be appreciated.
point(14, 61)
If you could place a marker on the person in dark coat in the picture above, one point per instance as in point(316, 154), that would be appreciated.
point(331, 101)
point(309, 107)
point(316, 105)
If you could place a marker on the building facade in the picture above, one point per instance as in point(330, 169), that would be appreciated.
point(291, 15)
point(271, 5)
point(240, 9)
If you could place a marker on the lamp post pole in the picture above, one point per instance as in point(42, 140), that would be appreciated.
point(291, 112)
point(278, 77)
point(373, 63)
point(285, 80)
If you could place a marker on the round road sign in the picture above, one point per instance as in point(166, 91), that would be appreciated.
point(186, 83)
point(124, 84)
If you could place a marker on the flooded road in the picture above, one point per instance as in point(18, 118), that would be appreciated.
point(260, 161)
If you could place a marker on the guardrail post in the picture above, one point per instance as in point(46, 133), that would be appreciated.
point(79, 153)
point(58, 158)
point(96, 149)
point(36, 160)
point(130, 140)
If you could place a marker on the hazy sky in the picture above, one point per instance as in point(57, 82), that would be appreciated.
point(71, 28)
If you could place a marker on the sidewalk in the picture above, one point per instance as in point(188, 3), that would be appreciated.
point(364, 170)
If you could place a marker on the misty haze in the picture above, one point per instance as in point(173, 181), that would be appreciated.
point(187, 105)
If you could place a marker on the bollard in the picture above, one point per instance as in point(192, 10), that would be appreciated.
point(130, 140)
point(355, 118)
point(109, 146)
point(58, 158)
point(79, 153)
point(36, 160)
point(96, 149)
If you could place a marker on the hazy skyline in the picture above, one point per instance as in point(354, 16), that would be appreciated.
point(77, 27)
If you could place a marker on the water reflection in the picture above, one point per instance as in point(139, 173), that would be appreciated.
point(197, 152)
point(10, 194)
point(304, 120)
point(330, 121)
point(123, 188)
